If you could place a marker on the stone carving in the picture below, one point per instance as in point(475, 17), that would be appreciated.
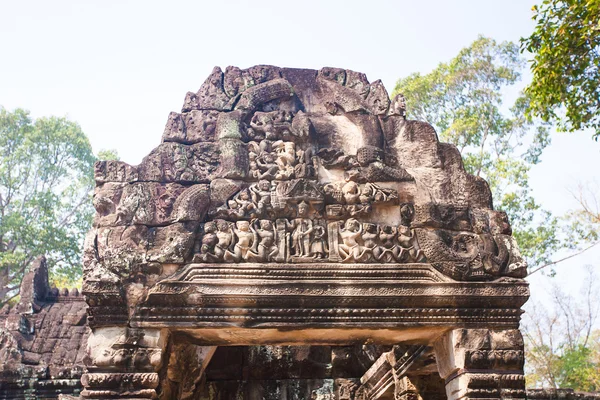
point(292, 200)
point(191, 127)
point(482, 361)
point(305, 239)
point(352, 200)
point(279, 160)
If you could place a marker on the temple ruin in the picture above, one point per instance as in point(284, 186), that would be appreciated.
point(294, 236)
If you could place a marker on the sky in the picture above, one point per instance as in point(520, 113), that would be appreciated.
point(119, 67)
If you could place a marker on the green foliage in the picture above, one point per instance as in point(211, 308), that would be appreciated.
point(108, 154)
point(577, 369)
point(562, 350)
point(46, 179)
point(566, 63)
point(462, 99)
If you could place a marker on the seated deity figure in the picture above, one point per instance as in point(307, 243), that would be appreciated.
point(351, 193)
point(350, 232)
point(246, 237)
point(265, 248)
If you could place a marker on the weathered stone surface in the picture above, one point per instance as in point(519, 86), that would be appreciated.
point(174, 162)
point(149, 203)
point(482, 362)
point(210, 96)
point(42, 340)
point(285, 209)
point(191, 127)
point(263, 93)
point(115, 171)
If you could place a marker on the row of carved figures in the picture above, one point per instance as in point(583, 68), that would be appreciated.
point(306, 240)
point(270, 199)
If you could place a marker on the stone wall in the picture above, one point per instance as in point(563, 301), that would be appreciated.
point(42, 340)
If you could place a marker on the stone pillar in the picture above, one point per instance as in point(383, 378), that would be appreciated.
point(185, 370)
point(482, 363)
point(123, 363)
point(404, 388)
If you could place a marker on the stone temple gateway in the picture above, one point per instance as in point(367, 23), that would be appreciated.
point(294, 236)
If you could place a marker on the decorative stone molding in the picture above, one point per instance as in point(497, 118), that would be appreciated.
point(123, 363)
point(482, 363)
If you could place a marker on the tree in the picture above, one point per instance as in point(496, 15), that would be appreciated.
point(46, 179)
point(562, 349)
point(566, 64)
point(462, 99)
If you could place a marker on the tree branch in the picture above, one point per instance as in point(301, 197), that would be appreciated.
point(562, 259)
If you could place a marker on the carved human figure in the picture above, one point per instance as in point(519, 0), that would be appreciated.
point(245, 202)
point(286, 153)
point(286, 159)
point(261, 195)
point(376, 193)
point(350, 232)
point(369, 236)
point(181, 169)
point(388, 251)
point(208, 243)
point(246, 237)
point(409, 248)
point(254, 171)
point(398, 106)
point(265, 248)
point(302, 229)
point(268, 167)
point(304, 168)
point(225, 239)
point(351, 193)
point(233, 210)
point(318, 246)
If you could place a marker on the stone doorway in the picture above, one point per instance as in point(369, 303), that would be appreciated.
point(305, 372)
point(292, 207)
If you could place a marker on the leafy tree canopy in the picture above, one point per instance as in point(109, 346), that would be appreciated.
point(462, 99)
point(566, 64)
point(46, 180)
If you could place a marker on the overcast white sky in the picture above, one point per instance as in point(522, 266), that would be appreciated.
point(119, 67)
